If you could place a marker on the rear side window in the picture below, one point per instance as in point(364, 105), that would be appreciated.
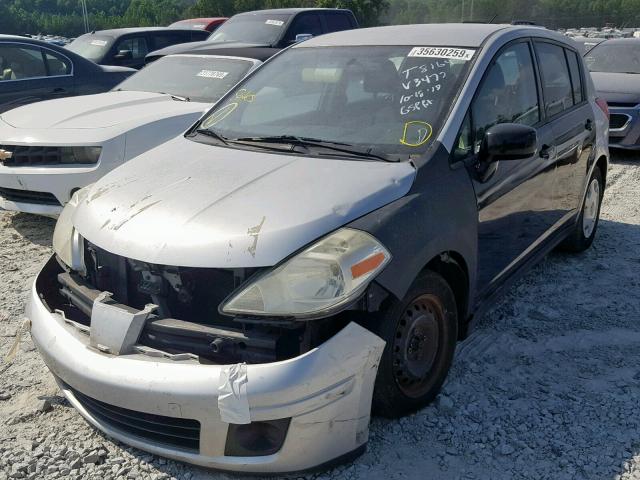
point(167, 39)
point(556, 81)
point(57, 64)
point(508, 93)
point(20, 62)
point(336, 22)
point(576, 78)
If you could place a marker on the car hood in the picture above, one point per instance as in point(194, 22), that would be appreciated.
point(194, 47)
point(104, 110)
point(226, 208)
point(617, 87)
point(117, 69)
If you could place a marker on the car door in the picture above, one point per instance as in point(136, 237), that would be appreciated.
point(514, 197)
point(130, 51)
point(24, 75)
point(572, 121)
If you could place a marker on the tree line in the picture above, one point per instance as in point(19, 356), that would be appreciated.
point(64, 17)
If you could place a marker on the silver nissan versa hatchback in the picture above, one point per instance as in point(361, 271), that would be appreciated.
point(243, 295)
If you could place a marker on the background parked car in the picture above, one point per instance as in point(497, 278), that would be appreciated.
point(54, 148)
point(275, 29)
point(615, 69)
point(208, 24)
point(32, 70)
point(129, 46)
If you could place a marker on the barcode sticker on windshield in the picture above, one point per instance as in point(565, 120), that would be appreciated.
point(442, 52)
point(277, 23)
point(212, 74)
point(99, 43)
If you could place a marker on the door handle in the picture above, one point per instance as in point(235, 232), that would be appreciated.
point(545, 152)
point(588, 124)
point(59, 90)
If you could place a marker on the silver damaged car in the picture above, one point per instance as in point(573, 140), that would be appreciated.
point(243, 296)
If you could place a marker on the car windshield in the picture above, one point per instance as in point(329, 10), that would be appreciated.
point(251, 28)
point(93, 47)
point(198, 78)
point(389, 99)
point(614, 58)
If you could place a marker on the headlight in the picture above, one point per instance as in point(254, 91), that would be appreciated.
point(80, 155)
point(67, 242)
point(317, 281)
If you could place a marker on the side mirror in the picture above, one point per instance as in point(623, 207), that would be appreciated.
point(508, 141)
point(124, 55)
point(301, 37)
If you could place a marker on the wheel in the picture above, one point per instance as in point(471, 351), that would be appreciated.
point(421, 332)
point(585, 230)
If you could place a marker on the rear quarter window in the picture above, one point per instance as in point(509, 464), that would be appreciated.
point(576, 76)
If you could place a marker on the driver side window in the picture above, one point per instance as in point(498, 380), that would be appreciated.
point(508, 94)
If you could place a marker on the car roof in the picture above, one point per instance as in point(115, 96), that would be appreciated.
point(437, 34)
point(292, 11)
point(255, 53)
point(616, 41)
point(117, 32)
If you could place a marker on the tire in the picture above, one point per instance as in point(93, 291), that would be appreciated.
point(421, 332)
point(585, 230)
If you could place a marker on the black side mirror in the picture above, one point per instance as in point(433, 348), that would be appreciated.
point(508, 141)
point(124, 55)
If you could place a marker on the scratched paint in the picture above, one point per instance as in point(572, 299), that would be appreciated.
point(255, 233)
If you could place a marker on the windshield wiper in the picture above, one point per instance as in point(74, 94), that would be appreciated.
point(212, 134)
point(176, 97)
point(345, 148)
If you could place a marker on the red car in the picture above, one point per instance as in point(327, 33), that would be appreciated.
point(208, 24)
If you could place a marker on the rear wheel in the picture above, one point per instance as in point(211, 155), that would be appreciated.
point(585, 230)
point(421, 333)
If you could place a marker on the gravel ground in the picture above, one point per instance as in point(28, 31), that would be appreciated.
point(548, 386)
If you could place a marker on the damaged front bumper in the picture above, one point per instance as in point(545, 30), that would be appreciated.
point(278, 417)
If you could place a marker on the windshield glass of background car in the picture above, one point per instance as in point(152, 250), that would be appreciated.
point(393, 99)
point(262, 29)
point(91, 46)
point(201, 78)
point(614, 58)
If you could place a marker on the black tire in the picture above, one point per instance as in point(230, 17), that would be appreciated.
point(579, 240)
point(421, 332)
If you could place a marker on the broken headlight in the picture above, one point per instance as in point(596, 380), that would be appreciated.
point(319, 280)
point(67, 242)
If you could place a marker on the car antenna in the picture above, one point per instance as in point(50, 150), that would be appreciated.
point(493, 18)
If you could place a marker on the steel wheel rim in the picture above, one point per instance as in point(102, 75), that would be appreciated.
point(416, 344)
point(590, 211)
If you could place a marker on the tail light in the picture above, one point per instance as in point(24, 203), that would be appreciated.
point(602, 103)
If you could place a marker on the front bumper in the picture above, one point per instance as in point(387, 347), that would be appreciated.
point(326, 393)
point(624, 130)
point(44, 190)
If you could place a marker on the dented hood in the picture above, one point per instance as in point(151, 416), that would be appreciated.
point(104, 110)
point(195, 205)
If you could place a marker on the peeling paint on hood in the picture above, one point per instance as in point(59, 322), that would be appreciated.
point(189, 204)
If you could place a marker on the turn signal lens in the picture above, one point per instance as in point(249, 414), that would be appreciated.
point(321, 279)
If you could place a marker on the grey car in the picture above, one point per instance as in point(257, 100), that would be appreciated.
point(615, 69)
point(318, 242)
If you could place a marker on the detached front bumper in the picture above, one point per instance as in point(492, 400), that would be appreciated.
point(324, 395)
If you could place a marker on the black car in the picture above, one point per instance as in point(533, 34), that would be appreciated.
point(615, 66)
point(129, 46)
point(274, 29)
point(31, 70)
